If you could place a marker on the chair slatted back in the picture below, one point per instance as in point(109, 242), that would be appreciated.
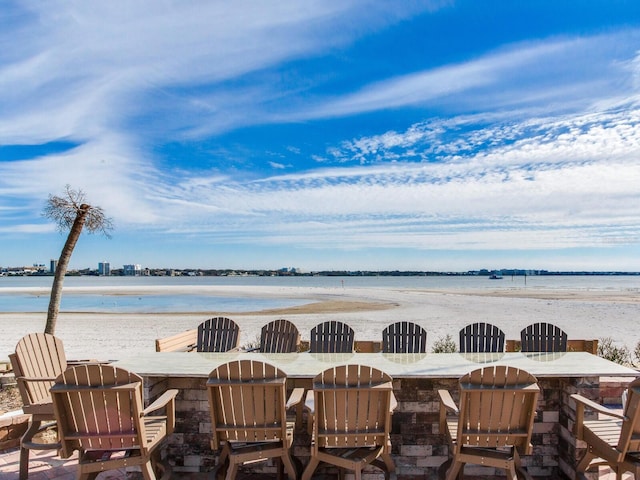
point(497, 408)
point(481, 338)
point(543, 337)
point(247, 402)
point(629, 440)
point(352, 407)
point(219, 334)
point(331, 337)
point(99, 407)
point(404, 337)
point(279, 336)
point(39, 358)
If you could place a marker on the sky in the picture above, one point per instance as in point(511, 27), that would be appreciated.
point(325, 135)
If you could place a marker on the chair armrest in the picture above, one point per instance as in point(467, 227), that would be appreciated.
point(582, 402)
point(91, 361)
point(36, 379)
point(309, 402)
point(393, 404)
point(295, 398)
point(163, 400)
point(447, 402)
point(446, 405)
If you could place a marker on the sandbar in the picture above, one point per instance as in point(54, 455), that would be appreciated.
point(583, 314)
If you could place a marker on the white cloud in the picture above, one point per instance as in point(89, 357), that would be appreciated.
point(553, 160)
point(572, 184)
point(556, 74)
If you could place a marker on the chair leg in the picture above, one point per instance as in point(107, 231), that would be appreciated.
point(147, 471)
point(388, 462)
point(232, 471)
point(358, 472)
point(27, 437)
point(288, 466)
point(511, 472)
point(454, 469)
point(24, 463)
point(308, 472)
point(584, 464)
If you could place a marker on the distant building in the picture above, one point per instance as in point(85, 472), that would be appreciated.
point(132, 270)
point(53, 265)
point(104, 268)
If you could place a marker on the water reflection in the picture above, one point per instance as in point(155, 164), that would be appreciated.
point(544, 356)
point(404, 358)
point(483, 357)
point(332, 357)
point(278, 358)
point(221, 357)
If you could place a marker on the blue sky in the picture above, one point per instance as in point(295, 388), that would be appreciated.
point(427, 135)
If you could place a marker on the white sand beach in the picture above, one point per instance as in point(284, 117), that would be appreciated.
point(582, 314)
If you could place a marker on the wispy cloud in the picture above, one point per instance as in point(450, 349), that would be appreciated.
point(532, 144)
point(553, 74)
point(564, 182)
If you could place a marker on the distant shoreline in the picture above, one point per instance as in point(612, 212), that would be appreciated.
point(198, 272)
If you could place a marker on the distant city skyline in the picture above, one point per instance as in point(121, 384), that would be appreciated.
point(431, 135)
point(104, 269)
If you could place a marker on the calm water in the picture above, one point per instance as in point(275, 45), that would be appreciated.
point(29, 301)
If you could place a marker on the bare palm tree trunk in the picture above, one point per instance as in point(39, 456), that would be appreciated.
point(61, 268)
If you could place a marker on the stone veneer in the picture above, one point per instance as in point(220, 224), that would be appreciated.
point(418, 447)
point(12, 427)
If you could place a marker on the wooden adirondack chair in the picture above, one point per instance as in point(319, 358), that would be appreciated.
point(331, 337)
point(99, 409)
point(543, 337)
point(352, 419)
point(247, 401)
point(39, 358)
point(494, 423)
point(610, 436)
point(481, 338)
point(219, 334)
point(404, 337)
point(279, 336)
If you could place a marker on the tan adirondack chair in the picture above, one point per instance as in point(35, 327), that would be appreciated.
point(247, 401)
point(99, 409)
point(612, 438)
point(38, 359)
point(494, 423)
point(331, 337)
point(218, 334)
point(352, 419)
point(543, 337)
point(404, 337)
point(279, 336)
point(481, 338)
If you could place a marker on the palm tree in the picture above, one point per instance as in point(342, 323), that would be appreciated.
point(70, 212)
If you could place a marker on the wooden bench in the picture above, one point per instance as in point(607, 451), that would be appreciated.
point(590, 346)
point(180, 342)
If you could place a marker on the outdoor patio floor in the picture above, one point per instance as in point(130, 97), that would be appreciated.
point(46, 465)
